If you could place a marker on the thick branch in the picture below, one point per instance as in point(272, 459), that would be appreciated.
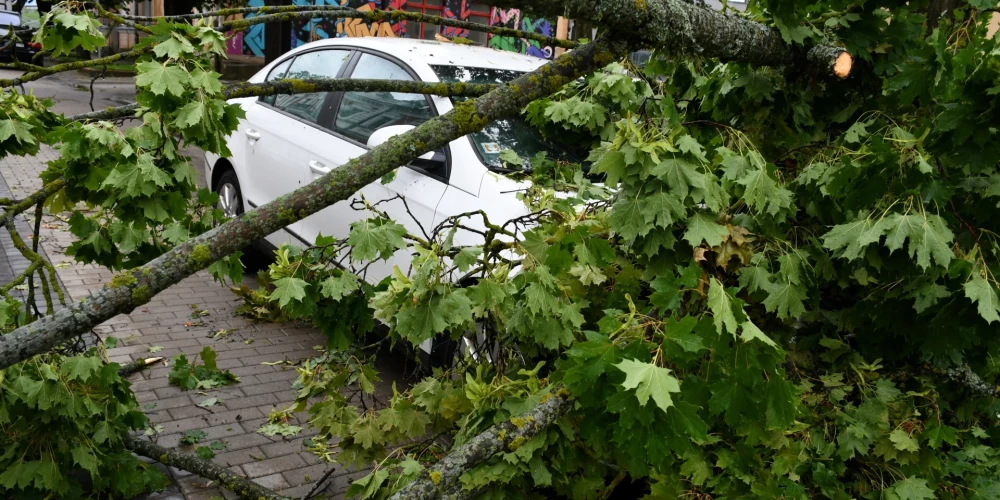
point(506, 436)
point(295, 86)
point(242, 487)
point(970, 379)
point(32, 200)
point(684, 28)
point(70, 66)
point(340, 184)
point(305, 86)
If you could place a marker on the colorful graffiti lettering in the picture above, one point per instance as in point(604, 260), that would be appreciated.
point(511, 18)
point(456, 9)
point(308, 30)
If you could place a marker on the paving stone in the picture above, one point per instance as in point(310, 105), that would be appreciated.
point(273, 466)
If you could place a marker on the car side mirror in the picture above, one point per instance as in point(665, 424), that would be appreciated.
point(383, 134)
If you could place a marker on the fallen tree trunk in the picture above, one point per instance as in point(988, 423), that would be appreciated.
point(681, 27)
point(130, 290)
point(506, 436)
point(229, 480)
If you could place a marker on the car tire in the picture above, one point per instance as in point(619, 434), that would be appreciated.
point(230, 195)
point(231, 204)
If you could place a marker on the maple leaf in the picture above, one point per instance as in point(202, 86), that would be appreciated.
point(785, 299)
point(910, 489)
point(649, 381)
point(751, 332)
point(985, 296)
point(288, 289)
point(338, 287)
point(702, 227)
point(721, 305)
point(161, 78)
point(371, 238)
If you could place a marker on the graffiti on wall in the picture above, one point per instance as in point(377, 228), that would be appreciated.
point(456, 9)
point(307, 30)
point(512, 18)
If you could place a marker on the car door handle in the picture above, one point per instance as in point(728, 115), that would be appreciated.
point(318, 168)
point(252, 134)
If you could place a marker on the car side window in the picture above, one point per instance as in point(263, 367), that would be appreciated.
point(317, 64)
point(277, 73)
point(362, 113)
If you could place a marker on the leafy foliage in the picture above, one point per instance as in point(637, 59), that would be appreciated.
point(63, 419)
point(791, 269)
point(190, 375)
point(788, 268)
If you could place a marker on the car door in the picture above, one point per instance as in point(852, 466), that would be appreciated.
point(282, 131)
point(358, 116)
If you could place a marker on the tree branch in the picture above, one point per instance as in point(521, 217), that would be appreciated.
point(242, 487)
point(432, 482)
point(292, 86)
point(682, 28)
point(124, 295)
point(32, 199)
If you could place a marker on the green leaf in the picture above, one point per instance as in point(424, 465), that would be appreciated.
point(681, 175)
point(649, 381)
point(18, 129)
point(902, 440)
point(467, 257)
point(702, 227)
point(340, 286)
point(204, 453)
point(193, 437)
point(279, 430)
point(190, 114)
point(427, 318)
point(910, 489)
point(80, 367)
point(929, 237)
point(721, 305)
point(288, 289)
point(162, 78)
point(982, 293)
point(85, 458)
point(785, 299)
point(173, 47)
point(208, 358)
point(373, 238)
point(751, 332)
point(691, 146)
point(611, 163)
point(763, 193)
point(662, 209)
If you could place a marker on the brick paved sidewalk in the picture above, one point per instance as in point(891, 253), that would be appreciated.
point(277, 463)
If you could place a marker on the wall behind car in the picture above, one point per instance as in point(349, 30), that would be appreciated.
point(251, 42)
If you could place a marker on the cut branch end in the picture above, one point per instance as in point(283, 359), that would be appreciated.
point(843, 64)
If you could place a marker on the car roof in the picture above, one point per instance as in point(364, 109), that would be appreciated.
point(417, 52)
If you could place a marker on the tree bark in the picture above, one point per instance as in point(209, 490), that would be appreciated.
point(292, 86)
point(687, 29)
point(239, 485)
point(509, 435)
point(130, 290)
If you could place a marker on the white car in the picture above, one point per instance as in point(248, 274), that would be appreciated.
point(288, 141)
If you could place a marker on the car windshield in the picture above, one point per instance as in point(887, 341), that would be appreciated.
point(510, 133)
point(9, 18)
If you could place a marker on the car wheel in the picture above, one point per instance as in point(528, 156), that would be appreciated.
point(255, 256)
point(230, 196)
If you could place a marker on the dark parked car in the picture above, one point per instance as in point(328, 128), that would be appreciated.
point(19, 45)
